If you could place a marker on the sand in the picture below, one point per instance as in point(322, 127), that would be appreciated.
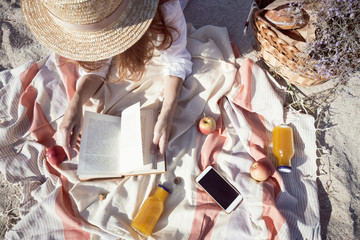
point(339, 125)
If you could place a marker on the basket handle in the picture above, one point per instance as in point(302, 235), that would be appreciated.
point(253, 7)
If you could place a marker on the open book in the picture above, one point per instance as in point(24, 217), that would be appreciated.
point(114, 146)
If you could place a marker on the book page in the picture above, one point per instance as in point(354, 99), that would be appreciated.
point(99, 148)
point(131, 154)
point(148, 163)
point(152, 162)
point(147, 124)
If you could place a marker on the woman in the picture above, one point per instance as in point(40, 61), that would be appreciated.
point(96, 34)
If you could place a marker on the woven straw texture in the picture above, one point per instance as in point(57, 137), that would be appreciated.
point(281, 56)
point(81, 45)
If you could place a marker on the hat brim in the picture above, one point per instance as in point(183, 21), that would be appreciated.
point(85, 45)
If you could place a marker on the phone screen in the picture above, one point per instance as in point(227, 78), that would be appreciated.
point(218, 188)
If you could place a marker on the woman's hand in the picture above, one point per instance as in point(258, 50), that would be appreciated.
point(172, 88)
point(162, 131)
point(70, 127)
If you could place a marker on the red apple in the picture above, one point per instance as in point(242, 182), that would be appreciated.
point(260, 171)
point(207, 125)
point(55, 154)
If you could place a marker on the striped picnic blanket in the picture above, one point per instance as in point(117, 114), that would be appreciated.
point(246, 104)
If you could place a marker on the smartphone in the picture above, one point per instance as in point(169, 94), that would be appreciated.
point(221, 191)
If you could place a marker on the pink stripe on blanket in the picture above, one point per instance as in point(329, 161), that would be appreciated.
point(28, 75)
point(27, 99)
point(40, 127)
point(29, 93)
point(63, 208)
point(258, 142)
point(273, 218)
point(206, 209)
point(244, 76)
point(271, 188)
point(212, 145)
point(69, 74)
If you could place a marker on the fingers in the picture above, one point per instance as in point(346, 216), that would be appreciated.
point(77, 147)
point(155, 143)
point(162, 144)
point(156, 138)
point(70, 150)
point(159, 143)
point(69, 132)
point(65, 141)
point(69, 139)
point(74, 136)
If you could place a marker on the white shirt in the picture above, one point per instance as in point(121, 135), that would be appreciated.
point(176, 58)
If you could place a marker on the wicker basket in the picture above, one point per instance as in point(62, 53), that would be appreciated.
point(280, 55)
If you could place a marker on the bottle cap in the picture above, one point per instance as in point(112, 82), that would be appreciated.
point(284, 169)
point(163, 187)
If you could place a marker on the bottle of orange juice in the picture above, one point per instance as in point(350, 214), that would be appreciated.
point(150, 212)
point(283, 147)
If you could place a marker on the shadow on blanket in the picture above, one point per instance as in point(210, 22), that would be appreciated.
point(246, 104)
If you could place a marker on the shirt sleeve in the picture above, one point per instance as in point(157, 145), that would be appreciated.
point(102, 72)
point(176, 58)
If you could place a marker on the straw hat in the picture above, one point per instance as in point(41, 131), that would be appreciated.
point(88, 30)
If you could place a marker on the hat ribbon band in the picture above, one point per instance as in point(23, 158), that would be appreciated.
point(97, 25)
